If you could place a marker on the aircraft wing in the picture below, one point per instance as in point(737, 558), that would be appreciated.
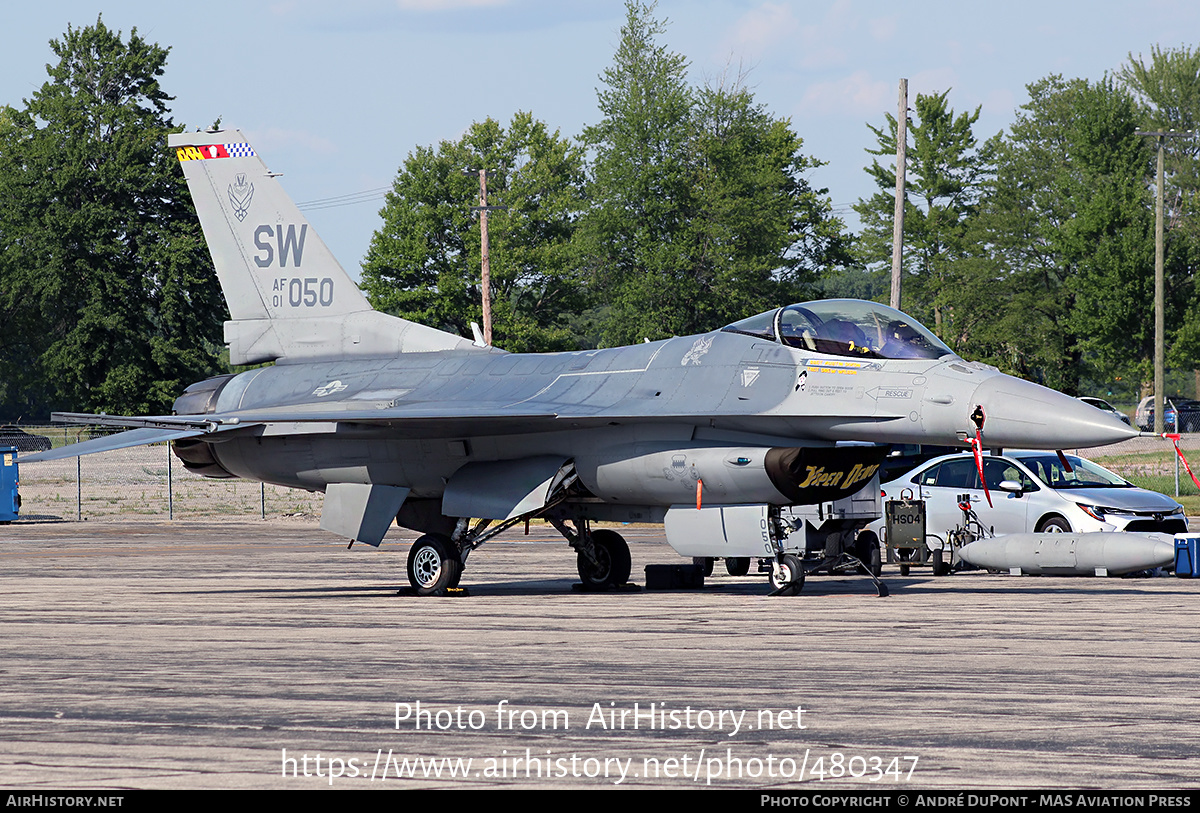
point(464, 420)
point(467, 419)
point(422, 418)
point(419, 413)
point(414, 419)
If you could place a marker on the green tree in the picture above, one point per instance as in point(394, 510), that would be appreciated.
point(424, 261)
point(699, 212)
point(1169, 90)
point(1064, 267)
point(105, 274)
point(640, 189)
point(1108, 243)
point(759, 233)
point(1015, 306)
point(946, 174)
point(1168, 87)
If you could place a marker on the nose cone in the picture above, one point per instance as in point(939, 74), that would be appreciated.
point(1025, 415)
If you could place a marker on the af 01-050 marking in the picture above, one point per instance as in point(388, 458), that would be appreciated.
point(396, 421)
point(308, 292)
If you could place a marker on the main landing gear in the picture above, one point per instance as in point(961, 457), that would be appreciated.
point(436, 561)
point(434, 565)
point(609, 564)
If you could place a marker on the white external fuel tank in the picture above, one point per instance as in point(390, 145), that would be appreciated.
point(1076, 554)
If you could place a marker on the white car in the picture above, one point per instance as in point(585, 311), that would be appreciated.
point(1105, 406)
point(1031, 491)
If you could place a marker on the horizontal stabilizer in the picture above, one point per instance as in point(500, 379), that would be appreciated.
point(121, 440)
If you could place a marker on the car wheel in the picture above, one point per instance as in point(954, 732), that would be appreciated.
point(1054, 525)
point(867, 551)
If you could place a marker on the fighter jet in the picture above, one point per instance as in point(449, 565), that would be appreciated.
point(397, 421)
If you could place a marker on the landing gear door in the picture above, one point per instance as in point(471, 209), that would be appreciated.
point(501, 489)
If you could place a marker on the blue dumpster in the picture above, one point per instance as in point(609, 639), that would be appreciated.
point(1186, 547)
point(10, 499)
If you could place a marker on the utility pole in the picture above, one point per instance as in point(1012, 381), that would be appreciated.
point(1159, 283)
point(485, 263)
point(901, 172)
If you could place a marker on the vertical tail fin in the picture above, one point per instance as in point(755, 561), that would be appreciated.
point(287, 295)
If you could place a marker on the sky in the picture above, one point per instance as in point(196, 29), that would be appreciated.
point(335, 95)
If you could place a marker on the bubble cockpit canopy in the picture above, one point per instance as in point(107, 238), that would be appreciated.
point(845, 327)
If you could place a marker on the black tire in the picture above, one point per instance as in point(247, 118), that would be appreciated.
point(433, 565)
point(867, 550)
point(789, 572)
point(874, 562)
point(1054, 525)
point(705, 563)
point(612, 552)
point(938, 560)
point(737, 565)
point(905, 558)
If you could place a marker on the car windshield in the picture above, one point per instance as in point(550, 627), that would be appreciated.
point(845, 327)
point(1084, 474)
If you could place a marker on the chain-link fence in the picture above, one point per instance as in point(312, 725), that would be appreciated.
point(1152, 463)
point(142, 481)
point(149, 481)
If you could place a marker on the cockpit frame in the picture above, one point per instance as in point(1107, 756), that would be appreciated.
point(845, 327)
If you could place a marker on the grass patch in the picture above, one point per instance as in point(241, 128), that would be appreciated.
point(1165, 484)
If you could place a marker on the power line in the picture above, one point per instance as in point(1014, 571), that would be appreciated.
point(365, 196)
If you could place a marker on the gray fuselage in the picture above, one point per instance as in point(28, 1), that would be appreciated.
point(720, 389)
